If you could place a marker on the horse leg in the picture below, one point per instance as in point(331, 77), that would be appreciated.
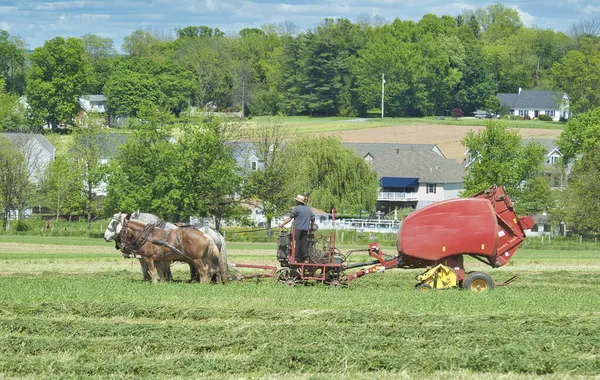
point(152, 269)
point(163, 268)
point(202, 270)
point(194, 275)
point(145, 273)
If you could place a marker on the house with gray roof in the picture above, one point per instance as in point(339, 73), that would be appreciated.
point(38, 152)
point(534, 103)
point(411, 175)
point(93, 103)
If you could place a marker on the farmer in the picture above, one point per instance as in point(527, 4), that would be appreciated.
point(303, 217)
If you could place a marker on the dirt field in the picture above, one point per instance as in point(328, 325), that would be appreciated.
point(447, 137)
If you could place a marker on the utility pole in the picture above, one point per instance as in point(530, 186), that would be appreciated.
point(382, 92)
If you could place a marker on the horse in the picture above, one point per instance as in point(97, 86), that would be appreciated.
point(182, 244)
point(163, 267)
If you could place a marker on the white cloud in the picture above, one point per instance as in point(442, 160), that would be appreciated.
point(60, 5)
point(4, 26)
point(527, 18)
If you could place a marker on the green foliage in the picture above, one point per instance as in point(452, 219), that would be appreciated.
point(578, 75)
point(333, 175)
point(58, 76)
point(13, 115)
point(194, 176)
point(545, 118)
point(500, 158)
point(16, 187)
point(581, 134)
point(138, 82)
point(12, 63)
point(580, 199)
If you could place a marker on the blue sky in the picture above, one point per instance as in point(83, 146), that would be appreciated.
point(36, 21)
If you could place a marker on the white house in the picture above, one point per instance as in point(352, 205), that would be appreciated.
point(534, 103)
point(411, 175)
point(93, 103)
point(38, 152)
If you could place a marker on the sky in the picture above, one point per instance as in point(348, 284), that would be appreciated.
point(36, 21)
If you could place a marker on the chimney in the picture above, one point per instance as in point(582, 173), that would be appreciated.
point(520, 89)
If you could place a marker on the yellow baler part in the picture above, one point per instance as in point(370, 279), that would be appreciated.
point(446, 278)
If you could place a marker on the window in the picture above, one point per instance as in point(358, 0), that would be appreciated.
point(431, 188)
point(254, 165)
point(523, 113)
point(550, 113)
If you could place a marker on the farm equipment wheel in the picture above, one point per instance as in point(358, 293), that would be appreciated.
point(423, 287)
point(336, 283)
point(478, 282)
point(287, 277)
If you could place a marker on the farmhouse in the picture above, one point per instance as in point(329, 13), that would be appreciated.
point(534, 103)
point(93, 103)
point(411, 175)
point(38, 152)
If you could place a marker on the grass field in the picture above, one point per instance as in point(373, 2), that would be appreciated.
point(73, 308)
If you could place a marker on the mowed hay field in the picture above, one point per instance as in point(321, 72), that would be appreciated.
point(73, 308)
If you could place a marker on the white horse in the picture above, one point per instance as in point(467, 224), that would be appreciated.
point(113, 232)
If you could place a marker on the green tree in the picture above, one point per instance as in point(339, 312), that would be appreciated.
point(580, 136)
point(333, 175)
point(500, 158)
point(210, 62)
point(100, 52)
point(12, 63)
point(271, 185)
point(87, 160)
point(143, 175)
point(578, 75)
point(58, 77)
point(140, 82)
point(580, 198)
point(207, 171)
point(16, 187)
point(536, 196)
point(13, 114)
point(63, 188)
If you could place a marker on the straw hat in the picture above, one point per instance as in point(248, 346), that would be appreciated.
point(300, 199)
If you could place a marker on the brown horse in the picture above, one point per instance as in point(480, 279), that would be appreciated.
point(183, 244)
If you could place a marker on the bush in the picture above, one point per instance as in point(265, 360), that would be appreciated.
point(562, 120)
point(22, 226)
point(457, 112)
point(527, 117)
point(545, 118)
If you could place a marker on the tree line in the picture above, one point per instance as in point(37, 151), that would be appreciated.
point(334, 69)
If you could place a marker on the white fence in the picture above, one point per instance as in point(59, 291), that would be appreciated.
point(363, 225)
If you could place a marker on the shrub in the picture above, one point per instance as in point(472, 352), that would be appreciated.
point(527, 117)
point(545, 118)
point(562, 120)
point(22, 226)
point(457, 112)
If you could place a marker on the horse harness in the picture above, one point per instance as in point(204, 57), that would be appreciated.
point(131, 247)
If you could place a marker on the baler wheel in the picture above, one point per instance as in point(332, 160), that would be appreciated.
point(478, 282)
point(423, 287)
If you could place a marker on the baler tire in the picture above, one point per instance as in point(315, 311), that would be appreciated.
point(478, 282)
point(423, 287)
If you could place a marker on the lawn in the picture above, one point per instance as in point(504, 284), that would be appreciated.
point(306, 124)
point(78, 310)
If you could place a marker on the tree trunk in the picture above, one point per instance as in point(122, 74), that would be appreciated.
point(268, 226)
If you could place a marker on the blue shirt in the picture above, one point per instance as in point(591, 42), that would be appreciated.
point(302, 215)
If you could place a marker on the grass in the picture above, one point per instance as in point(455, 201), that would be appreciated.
point(79, 313)
point(306, 124)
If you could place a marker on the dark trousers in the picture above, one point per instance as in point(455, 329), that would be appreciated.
point(301, 238)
